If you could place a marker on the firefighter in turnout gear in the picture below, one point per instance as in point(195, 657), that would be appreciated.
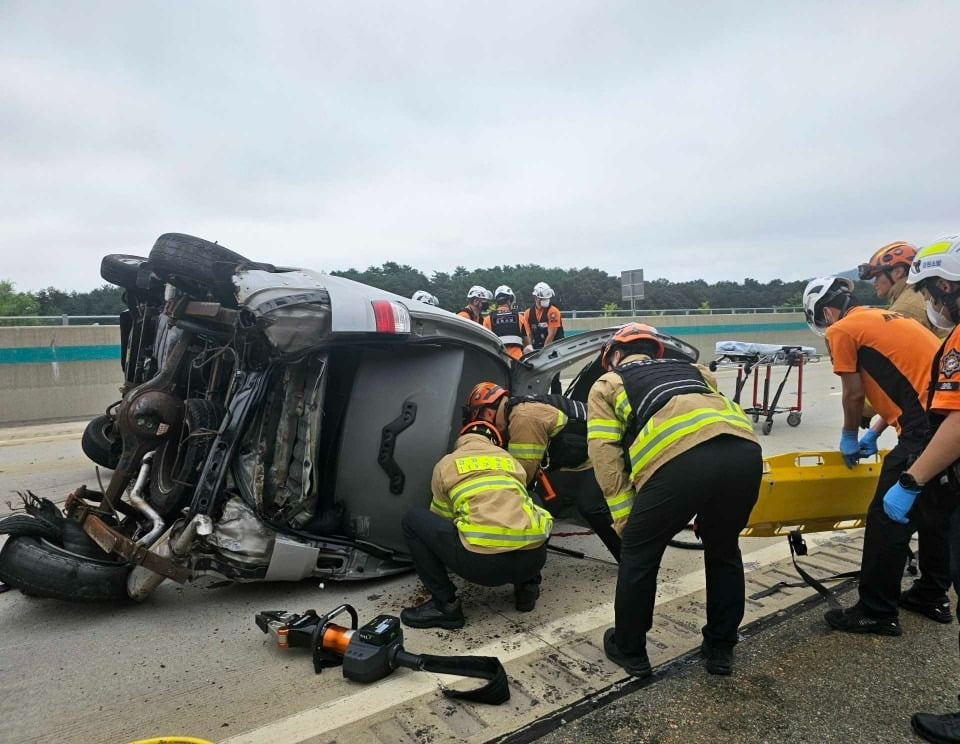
point(509, 324)
point(477, 299)
point(665, 447)
point(883, 357)
point(482, 525)
point(534, 424)
point(888, 269)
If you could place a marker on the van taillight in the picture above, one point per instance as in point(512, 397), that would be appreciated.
point(391, 317)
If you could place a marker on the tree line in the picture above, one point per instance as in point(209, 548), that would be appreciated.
point(577, 289)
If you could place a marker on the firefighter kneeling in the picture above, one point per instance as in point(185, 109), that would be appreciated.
point(482, 525)
point(666, 446)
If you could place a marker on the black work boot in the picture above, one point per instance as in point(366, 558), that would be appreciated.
point(636, 664)
point(937, 609)
point(525, 595)
point(434, 614)
point(719, 657)
point(852, 620)
point(943, 729)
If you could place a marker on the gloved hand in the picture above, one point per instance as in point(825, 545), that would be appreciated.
point(898, 500)
point(868, 443)
point(849, 447)
point(528, 349)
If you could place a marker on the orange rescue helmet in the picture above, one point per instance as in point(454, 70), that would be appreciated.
point(484, 428)
point(893, 254)
point(629, 334)
point(482, 402)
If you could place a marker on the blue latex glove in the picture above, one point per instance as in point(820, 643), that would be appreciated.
point(849, 447)
point(897, 501)
point(868, 443)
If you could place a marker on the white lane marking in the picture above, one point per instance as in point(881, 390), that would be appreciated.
point(376, 698)
point(38, 439)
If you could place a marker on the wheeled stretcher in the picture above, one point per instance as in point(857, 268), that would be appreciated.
point(749, 358)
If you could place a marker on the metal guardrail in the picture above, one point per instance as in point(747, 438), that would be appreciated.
point(680, 311)
point(55, 320)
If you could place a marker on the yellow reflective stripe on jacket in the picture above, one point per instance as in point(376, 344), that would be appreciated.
point(438, 507)
point(499, 537)
point(562, 420)
point(485, 462)
point(653, 439)
point(604, 429)
point(484, 483)
point(623, 407)
point(526, 451)
point(621, 504)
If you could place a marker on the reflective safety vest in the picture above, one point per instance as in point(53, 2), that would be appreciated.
point(506, 324)
point(540, 328)
point(647, 387)
point(485, 497)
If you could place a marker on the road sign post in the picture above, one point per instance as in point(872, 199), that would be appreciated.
point(631, 287)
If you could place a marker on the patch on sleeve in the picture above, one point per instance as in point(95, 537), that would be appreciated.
point(944, 385)
point(950, 363)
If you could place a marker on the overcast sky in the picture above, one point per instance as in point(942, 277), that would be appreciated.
point(694, 140)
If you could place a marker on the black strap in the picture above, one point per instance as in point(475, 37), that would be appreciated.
point(495, 692)
point(808, 580)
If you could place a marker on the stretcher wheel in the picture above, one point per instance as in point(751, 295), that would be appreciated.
point(766, 427)
point(793, 418)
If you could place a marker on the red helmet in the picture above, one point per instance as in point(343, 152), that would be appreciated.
point(629, 334)
point(482, 402)
point(485, 428)
point(894, 254)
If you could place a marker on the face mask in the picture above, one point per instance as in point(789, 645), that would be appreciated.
point(939, 318)
point(544, 303)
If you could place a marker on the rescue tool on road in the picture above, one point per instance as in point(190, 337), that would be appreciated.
point(375, 650)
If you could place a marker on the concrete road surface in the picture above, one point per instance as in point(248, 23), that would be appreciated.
point(190, 660)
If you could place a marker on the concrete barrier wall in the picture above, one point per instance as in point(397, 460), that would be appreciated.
point(703, 331)
point(52, 373)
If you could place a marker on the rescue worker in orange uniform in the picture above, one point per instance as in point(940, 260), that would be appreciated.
point(532, 424)
point(477, 299)
point(508, 323)
point(482, 525)
point(936, 276)
point(545, 324)
point(543, 318)
point(888, 269)
point(665, 447)
point(885, 357)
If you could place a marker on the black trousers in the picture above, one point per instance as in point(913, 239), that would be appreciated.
point(886, 543)
point(579, 489)
point(717, 480)
point(435, 547)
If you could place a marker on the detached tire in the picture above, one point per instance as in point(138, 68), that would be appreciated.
point(172, 480)
point(41, 569)
point(101, 442)
point(191, 263)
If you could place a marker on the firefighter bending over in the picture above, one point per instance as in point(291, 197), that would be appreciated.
point(666, 446)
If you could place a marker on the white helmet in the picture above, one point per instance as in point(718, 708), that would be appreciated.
point(817, 294)
point(476, 291)
point(542, 291)
point(939, 259)
point(504, 291)
point(425, 297)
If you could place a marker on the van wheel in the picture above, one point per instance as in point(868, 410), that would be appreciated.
point(179, 460)
point(39, 568)
point(101, 442)
point(191, 264)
